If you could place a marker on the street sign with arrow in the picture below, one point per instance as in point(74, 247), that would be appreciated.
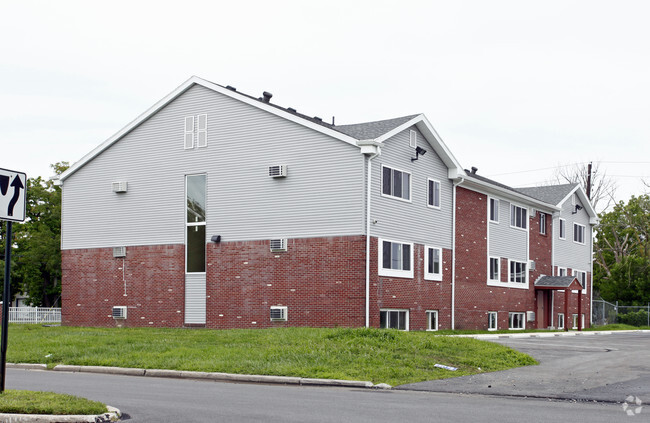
point(12, 195)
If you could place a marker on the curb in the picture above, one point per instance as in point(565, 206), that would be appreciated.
point(547, 334)
point(223, 377)
point(112, 415)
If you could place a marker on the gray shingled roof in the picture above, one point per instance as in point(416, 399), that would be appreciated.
point(551, 194)
point(372, 130)
point(555, 281)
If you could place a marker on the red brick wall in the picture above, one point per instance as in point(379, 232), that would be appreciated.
point(93, 282)
point(320, 280)
point(474, 298)
point(416, 295)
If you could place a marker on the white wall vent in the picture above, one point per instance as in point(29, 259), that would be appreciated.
point(278, 244)
point(413, 139)
point(531, 265)
point(119, 251)
point(278, 171)
point(279, 313)
point(119, 312)
point(530, 316)
point(120, 186)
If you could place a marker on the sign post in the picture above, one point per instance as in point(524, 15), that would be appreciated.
point(13, 203)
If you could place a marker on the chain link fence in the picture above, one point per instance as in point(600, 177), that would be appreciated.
point(606, 313)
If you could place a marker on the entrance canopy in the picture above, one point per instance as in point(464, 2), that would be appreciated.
point(568, 284)
point(558, 282)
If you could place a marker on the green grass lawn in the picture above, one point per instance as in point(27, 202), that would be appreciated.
point(377, 355)
point(31, 402)
point(618, 326)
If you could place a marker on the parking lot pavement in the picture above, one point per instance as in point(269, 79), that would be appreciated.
point(608, 367)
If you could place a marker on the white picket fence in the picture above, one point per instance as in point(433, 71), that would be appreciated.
point(34, 315)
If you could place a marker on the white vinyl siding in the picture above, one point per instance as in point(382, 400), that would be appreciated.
point(320, 198)
point(505, 240)
point(396, 219)
point(566, 253)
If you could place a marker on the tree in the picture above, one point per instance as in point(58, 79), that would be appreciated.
point(38, 254)
point(602, 187)
point(622, 252)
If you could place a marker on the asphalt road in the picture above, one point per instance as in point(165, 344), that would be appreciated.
point(608, 367)
point(148, 399)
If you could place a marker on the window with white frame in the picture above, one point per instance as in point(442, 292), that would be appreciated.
point(517, 272)
point(517, 320)
point(195, 223)
point(492, 320)
point(560, 320)
point(432, 319)
point(495, 269)
point(542, 223)
point(394, 319)
point(433, 193)
point(494, 210)
point(396, 259)
point(433, 263)
point(561, 271)
point(574, 319)
point(518, 217)
point(395, 183)
point(562, 229)
point(578, 233)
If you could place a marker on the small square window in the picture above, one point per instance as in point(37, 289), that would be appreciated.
point(495, 269)
point(393, 319)
point(518, 272)
point(395, 183)
point(518, 217)
point(396, 259)
point(578, 233)
point(517, 320)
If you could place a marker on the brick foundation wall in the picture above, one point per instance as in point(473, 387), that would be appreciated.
point(320, 280)
point(94, 281)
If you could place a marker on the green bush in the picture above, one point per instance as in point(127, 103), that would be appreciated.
point(634, 318)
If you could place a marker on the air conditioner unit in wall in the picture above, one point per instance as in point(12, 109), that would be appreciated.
point(278, 171)
point(279, 313)
point(278, 244)
point(119, 312)
point(120, 186)
point(530, 316)
point(119, 251)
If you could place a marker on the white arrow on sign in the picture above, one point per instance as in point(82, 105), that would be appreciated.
point(13, 201)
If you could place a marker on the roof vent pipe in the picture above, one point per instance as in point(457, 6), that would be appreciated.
point(267, 96)
point(474, 170)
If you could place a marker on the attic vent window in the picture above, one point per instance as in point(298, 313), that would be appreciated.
point(278, 245)
point(278, 171)
point(120, 186)
point(119, 312)
point(279, 314)
point(196, 131)
point(413, 139)
point(119, 252)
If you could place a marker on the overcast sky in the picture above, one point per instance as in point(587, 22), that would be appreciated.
point(511, 86)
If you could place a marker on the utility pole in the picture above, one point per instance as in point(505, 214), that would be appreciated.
point(589, 181)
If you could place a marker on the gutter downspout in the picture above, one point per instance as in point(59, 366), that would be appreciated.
point(453, 253)
point(370, 149)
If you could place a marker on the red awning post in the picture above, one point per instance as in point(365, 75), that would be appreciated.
point(579, 310)
point(566, 310)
